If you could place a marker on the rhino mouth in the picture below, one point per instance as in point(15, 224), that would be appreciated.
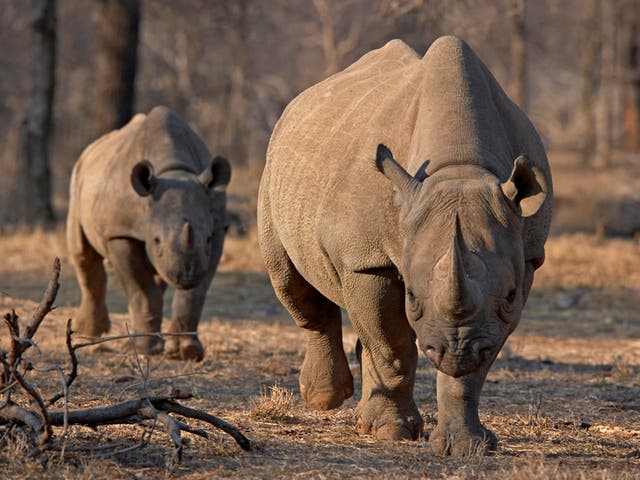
point(183, 280)
point(458, 364)
point(186, 284)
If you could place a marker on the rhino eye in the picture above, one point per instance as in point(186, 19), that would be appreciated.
point(414, 304)
point(511, 296)
point(411, 297)
point(156, 240)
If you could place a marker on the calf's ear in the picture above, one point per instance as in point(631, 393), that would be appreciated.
point(527, 187)
point(407, 185)
point(143, 179)
point(217, 175)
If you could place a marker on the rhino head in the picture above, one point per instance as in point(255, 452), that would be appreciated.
point(463, 260)
point(185, 222)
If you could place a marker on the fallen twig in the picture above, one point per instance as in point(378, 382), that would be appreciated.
point(149, 411)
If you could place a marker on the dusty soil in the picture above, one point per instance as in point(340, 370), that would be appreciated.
point(563, 398)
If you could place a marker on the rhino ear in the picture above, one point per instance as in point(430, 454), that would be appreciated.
point(407, 185)
point(527, 186)
point(143, 179)
point(217, 175)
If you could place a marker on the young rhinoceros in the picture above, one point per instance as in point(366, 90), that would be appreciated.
point(446, 253)
point(151, 200)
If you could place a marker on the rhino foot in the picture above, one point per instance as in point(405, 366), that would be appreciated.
point(462, 440)
point(325, 384)
point(90, 323)
point(386, 423)
point(150, 345)
point(184, 349)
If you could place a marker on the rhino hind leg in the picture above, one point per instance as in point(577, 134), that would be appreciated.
point(144, 291)
point(325, 378)
point(388, 357)
point(92, 317)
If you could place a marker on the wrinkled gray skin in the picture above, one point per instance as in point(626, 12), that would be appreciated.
point(445, 253)
point(150, 199)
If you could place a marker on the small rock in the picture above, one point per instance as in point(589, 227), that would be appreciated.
point(565, 300)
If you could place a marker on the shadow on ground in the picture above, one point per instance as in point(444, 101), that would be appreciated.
point(233, 294)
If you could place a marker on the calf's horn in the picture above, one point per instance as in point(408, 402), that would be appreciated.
point(187, 236)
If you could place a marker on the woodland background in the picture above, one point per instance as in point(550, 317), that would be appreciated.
point(230, 67)
point(563, 395)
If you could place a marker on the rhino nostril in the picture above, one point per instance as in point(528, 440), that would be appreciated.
point(432, 354)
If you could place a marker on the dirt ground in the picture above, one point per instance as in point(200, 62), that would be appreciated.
point(563, 397)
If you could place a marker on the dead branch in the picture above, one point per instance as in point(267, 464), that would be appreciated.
point(101, 340)
point(151, 412)
point(175, 407)
point(74, 368)
point(46, 303)
point(33, 393)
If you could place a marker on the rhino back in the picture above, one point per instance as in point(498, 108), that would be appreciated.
point(459, 122)
point(320, 176)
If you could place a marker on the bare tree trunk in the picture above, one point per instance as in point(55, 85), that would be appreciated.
point(234, 136)
point(631, 108)
point(334, 51)
point(606, 95)
point(518, 53)
point(591, 40)
point(117, 45)
point(36, 128)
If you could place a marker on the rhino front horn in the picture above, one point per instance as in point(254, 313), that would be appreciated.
point(457, 297)
point(187, 236)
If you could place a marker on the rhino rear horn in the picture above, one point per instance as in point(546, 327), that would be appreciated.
point(527, 186)
point(143, 179)
point(217, 175)
point(407, 185)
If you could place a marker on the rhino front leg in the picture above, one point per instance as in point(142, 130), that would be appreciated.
point(143, 288)
point(389, 357)
point(459, 431)
point(186, 310)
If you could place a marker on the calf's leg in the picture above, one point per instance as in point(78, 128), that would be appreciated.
point(91, 317)
point(144, 290)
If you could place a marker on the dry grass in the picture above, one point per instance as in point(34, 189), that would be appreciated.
point(274, 403)
point(581, 260)
point(242, 253)
point(559, 412)
point(563, 398)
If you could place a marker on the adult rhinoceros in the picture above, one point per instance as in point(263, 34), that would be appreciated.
point(441, 244)
point(151, 199)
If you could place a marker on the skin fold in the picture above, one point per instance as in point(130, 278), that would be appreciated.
point(415, 195)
